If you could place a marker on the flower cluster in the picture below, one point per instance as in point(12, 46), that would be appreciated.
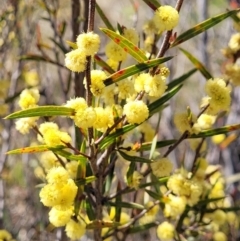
point(87, 45)
point(59, 194)
point(28, 99)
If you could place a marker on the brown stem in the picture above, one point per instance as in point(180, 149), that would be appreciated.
point(171, 148)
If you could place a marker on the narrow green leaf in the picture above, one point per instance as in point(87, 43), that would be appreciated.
point(134, 69)
point(108, 140)
point(127, 45)
point(36, 57)
point(102, 224)
point(103, 64)
point(153, 4)
point(49, 110)
point(202, 27)
point(142, 228)
point(126, 205)
point(213, 132)
point(72, 44)
point(133, 158)
point(197, 64)
point(156, 105)
point(60, 46)
point(30, 149)
point(130, 172)
point(152, 194)
point(159, 181)
point(104, 18)
point(90, 212)
point(207, 201)
point(84, 181)
point(180, 79)
point(147, 145)
point(153, 146)
point(68, 155)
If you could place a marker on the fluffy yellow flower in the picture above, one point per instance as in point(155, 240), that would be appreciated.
point(135, 180)
point(31, 78)
point(47, 126)
point(219, 217)
point(23, 125)
point(75, 230)
point(206, 121)
point(234, 43)
point(59, 217)
point(174, 206)
point(219, 94)
point(165, 231)
point(201, 167)
point(57, 175)
point(125, 89)
point(115, 52)
point(136, 112)
point(182, 122)
point(148, 43)
point(48, 160)
point(139, 82)
point(166, 18)
point(124, 217)
point(151, 215)
point(150, 27)
point(85, 119)
point(109, 94)
point(5, 235)
point(131, 34)
point(147, 131)
point(58, 194)
point(72, 168)
point(162, 167)
point(155, 86)
point(90, 42)
point(219, 236)
point(29, 98)
point(76, 60)
point(113, 64)
point(56, 137)
point(78, 104)
point(182, 186)
point(104, 118)
point(164, 71)
point(233, 72)
point(97, 86)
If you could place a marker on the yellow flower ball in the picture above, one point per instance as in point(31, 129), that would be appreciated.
point(166, 18)
point(131, 34)
point(115, 52)
point(182, 122)
point(23, 125)
point(75, 230)
point(162, 167)
point(89, 42)
point(57, 175)
point(29, 98)
point(60, 217)
point(78, 104)
point(76, 60)
point(219, 236)
point(135, 180)
point(219, 94)
point(136, 112)
point(165, 231)
point(5, 235)
point(97, 82)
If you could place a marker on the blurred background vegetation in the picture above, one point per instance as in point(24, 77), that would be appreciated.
point(33, 35)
